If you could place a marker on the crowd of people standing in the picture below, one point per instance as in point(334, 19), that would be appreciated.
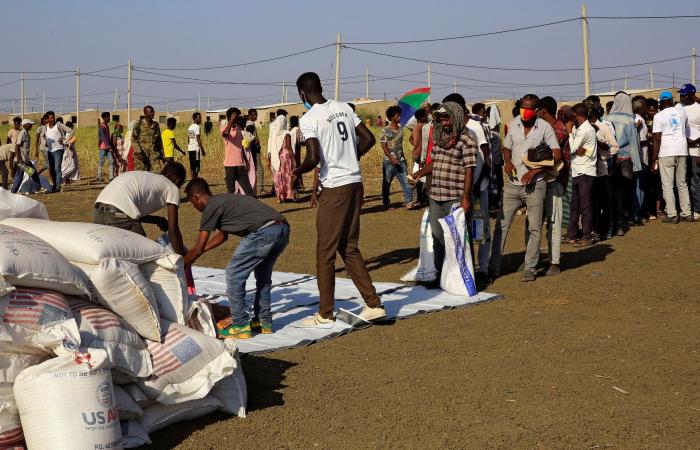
point(589, 170)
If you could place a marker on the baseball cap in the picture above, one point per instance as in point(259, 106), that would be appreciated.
point(665, 95)
point(27, 122)
point(687, 89)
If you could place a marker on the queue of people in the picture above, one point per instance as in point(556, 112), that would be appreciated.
point(637, 162)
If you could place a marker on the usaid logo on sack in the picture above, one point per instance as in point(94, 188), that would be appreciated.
point(98, 419)
point(104, 394)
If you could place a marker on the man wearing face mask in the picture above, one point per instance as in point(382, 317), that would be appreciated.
point(526, 186)
point(336, 138)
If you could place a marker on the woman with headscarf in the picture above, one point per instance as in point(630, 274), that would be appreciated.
point(70, 168)
point(278, 131)
point(452, 163)
point(127, 145)
point(248, 142)
point(626, 164)
point(296, 144)
point(121, 152)
point(283, 178)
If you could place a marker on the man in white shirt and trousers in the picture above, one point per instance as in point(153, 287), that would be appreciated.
point(670, 156)
point(336, 137)
point(692, 110)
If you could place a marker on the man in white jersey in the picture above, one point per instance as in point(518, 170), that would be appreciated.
point(692, 110)
point(131, 198)
point(336, 138)
point(195, 149)
point(671, 132)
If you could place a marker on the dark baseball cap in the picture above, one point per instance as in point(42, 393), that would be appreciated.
point(687, 89)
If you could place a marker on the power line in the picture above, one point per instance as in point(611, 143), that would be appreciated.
point(71, 72)
point(466, 36)
point(528, 69)
point(249, 63)
point(692, 16)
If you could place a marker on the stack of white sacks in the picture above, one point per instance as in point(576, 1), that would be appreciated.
point(100, 344)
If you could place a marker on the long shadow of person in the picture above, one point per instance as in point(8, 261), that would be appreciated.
point(511, 262)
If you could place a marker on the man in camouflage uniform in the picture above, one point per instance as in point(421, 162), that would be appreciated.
point(146, 141)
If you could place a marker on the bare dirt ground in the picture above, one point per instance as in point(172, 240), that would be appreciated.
point(603, 356)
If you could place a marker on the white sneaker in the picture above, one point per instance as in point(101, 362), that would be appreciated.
point(316, 321)
point(372, 314)
point(696, 216)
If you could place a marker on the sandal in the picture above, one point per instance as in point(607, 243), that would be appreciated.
point(573, 242)
point(583, 243)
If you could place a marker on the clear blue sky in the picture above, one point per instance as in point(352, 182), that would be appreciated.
point(97, 35)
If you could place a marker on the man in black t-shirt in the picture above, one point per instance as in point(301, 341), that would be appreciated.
point(265, 234)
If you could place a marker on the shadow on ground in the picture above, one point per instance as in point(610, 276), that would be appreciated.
point(265, 380)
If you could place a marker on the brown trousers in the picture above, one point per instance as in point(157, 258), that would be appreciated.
point(338, 230)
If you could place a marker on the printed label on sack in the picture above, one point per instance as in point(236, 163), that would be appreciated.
point(101, 420)
point(80, 373)
point(113, 444)
point(104, 394)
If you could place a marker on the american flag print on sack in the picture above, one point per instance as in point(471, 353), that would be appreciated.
point(32, 308)
point(176, 350)
point(11, 436)
point(98, 318)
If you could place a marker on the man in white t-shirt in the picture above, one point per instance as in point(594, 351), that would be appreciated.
point(670, 156)
point(195, 149)
point(336, 138)
point(692, 109)
point(584, 168)
point(130, 199)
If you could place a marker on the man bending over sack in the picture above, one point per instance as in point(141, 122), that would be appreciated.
point(129, 200)
point(265, 234)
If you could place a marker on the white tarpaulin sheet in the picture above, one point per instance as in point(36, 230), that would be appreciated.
point(295, 297)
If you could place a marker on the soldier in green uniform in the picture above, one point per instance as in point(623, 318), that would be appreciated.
point(147, 144)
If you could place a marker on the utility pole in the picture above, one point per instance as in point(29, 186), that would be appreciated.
point(586, 64)
point(651, 76)
point(625, 81)
point(693, 57)
point(167, 107)
point(77, 97)
point(430, 82)
point(21, 95)
point(612, 88)
point(337, 69)
point(208, 107)
point(283, 83)
point(673, 77)
point(13, 107)
point(455, 87)
point(116, 97)
point(199, 102)
point(128, 93)
point(367, 83)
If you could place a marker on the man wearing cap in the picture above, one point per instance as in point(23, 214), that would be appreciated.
point(671, 132)
point(692, 109)
point(23, 163)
